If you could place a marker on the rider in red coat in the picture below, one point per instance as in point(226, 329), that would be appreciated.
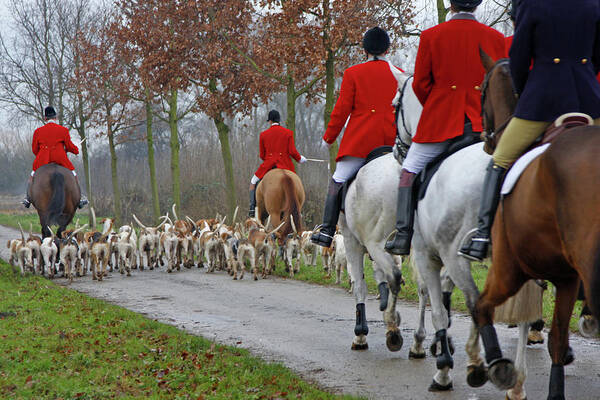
point(51, 143)
point(276, 150)
point(366, 96)
point(448, 75)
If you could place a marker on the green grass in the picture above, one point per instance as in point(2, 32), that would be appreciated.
point(409, 292)
point(32, 219)
point(57, 343)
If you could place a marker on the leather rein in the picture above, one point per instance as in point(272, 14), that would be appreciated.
point(487, 133)
point(401, 145)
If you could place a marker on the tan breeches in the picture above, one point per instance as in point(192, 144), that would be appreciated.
point(517, 137)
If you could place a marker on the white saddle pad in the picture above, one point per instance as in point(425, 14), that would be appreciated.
point(512, 177)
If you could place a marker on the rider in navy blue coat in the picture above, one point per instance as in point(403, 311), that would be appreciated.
point(563, 40)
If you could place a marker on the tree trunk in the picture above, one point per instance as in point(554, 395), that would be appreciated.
point(291, 105)
point(329, 103)
point(151, 163)
point(114, 174)
point(442, 11)
point(85, 156)
point(174, 149)
point(223, 131)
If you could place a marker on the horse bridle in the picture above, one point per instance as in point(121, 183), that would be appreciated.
point(491, 134)
point(401, 144)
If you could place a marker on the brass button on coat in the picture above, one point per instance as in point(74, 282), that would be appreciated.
point(372, 111)
point(453, 87)
point(477, 87)
point(556, 60)
point(584, 60)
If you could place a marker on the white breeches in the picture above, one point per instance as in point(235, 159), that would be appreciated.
point(420, 154)
point(254, 180)
point(346, 168)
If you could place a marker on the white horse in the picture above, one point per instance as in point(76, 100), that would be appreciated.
point(370, 214)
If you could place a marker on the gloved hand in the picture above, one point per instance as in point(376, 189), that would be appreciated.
point(302, 159)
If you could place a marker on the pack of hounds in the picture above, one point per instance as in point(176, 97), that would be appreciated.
point(205, 243)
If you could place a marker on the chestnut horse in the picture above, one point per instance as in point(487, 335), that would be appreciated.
point(547, 228)
point(280, 194)
point(55, 194)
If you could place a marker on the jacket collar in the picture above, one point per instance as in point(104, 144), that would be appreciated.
point(275, 123)
point(377, 58)
point(464, 15)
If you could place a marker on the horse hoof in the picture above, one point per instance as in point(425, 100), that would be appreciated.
point(436, 387)
point(360, 346)
point(416, 356)
point(235, 278)
point(570, 356)
point(588, 326)
point(169, 271)
point(502, 373)
point(256, 278)
point(477, 375)
point(393, 340)
point(507, 397)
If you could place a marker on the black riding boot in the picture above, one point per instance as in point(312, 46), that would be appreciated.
point(27, 201)
point(477, 248)
point(399, 243)
point(333, 203)
point(251, 212)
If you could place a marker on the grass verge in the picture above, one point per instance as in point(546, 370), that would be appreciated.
point(32, 219)
point(57, 343)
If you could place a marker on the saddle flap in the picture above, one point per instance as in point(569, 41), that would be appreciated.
point(564, 123)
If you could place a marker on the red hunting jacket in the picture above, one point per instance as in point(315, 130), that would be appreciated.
point(448, 76)
point(366, 97)
point(276, 148)
point(51, 143)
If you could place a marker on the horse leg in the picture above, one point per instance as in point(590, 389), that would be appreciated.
point(354, 254)
point(417, 351)
point(503, 281)
point(518, 391)
point(558, 339)
point(384, 266)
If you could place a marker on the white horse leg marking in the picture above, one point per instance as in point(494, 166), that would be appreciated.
point(518, 391)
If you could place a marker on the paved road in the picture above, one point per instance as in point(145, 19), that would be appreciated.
point(310, 328)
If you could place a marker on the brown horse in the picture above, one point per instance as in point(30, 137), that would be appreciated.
point(280, 194)
point(55, 194)
point(547, 228)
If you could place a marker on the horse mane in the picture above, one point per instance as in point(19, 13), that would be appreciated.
point(57, 202)
point(291, 208)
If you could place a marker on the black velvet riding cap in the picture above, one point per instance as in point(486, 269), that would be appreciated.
point(466, 3)
point(49, 112)
point(376, 41)
point(274, 116)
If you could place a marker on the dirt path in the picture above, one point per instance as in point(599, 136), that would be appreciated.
point(310, 328)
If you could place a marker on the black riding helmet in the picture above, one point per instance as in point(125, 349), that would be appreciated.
point(376, 41)
point(49, 112)
point(274, 116)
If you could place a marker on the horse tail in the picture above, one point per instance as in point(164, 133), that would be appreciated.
point(57, 202)
point(291, 209)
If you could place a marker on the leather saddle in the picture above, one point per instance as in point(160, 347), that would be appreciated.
point(563, 124)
